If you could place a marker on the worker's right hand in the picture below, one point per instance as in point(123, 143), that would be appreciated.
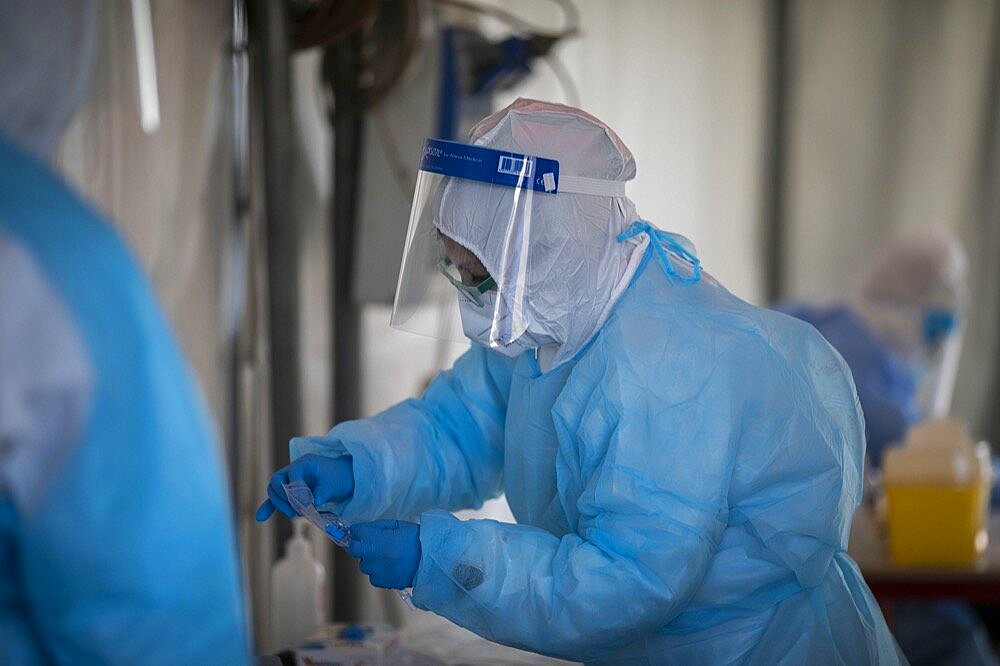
point(330, 479)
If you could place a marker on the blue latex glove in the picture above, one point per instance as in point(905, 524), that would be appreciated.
point(330, 479)
point(389, 551)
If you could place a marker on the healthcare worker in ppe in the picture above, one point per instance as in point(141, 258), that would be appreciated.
point(116, 541)
point(900, 334)
point(683, 466)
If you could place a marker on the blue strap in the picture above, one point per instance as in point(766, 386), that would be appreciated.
point(660, 240)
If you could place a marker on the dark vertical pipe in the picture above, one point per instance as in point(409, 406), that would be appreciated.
point(989, 213)
point(773, 224)
point(348, 130)
point(234, 302)
point(269, 25)
point(234, 295)
point(342, 69)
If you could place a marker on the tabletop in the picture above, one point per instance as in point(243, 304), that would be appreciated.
point(889, 581)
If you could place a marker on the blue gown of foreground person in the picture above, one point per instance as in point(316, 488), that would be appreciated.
point(683, 487)
point(116, 547)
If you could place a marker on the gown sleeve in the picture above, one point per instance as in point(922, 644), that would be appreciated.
point(444, 450)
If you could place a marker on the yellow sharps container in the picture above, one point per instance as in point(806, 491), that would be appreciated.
point(937, 493)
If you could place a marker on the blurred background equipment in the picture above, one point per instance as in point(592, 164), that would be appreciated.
point(937, 487)
point(298, 594)
point(145, 60)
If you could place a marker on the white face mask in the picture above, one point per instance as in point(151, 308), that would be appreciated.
point(477, 322)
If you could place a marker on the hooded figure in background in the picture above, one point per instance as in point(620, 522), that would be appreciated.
point(116, 537)
point(683, 466)
point(900, 333)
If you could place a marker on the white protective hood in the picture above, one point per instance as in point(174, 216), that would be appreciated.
point(576, 268)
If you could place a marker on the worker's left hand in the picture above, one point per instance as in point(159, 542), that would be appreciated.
point(389, 551)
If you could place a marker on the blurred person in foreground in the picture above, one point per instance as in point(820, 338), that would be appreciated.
point(116, 539)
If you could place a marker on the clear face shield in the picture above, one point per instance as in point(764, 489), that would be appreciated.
point(928, 338)
point(465, 261)
point(942, 334)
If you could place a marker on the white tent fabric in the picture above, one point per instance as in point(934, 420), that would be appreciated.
point(169, 191)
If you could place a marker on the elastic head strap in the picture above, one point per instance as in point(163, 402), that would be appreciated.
point(592, 186)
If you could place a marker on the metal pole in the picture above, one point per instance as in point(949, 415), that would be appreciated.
point(989, 214)
point(269, 26)
point(234, 277)
point(343, 69)
point(773, 223)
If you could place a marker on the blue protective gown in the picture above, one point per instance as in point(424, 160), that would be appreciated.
point(129, 557)
point(683, 489)
point(885, 385)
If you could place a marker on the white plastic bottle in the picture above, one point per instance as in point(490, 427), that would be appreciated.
point(298, 592)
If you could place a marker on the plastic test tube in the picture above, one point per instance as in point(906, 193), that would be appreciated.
point(336, 528)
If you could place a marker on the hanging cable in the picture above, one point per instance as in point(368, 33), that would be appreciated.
point(566, 82)
point(326, 22)
point(570, 14)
